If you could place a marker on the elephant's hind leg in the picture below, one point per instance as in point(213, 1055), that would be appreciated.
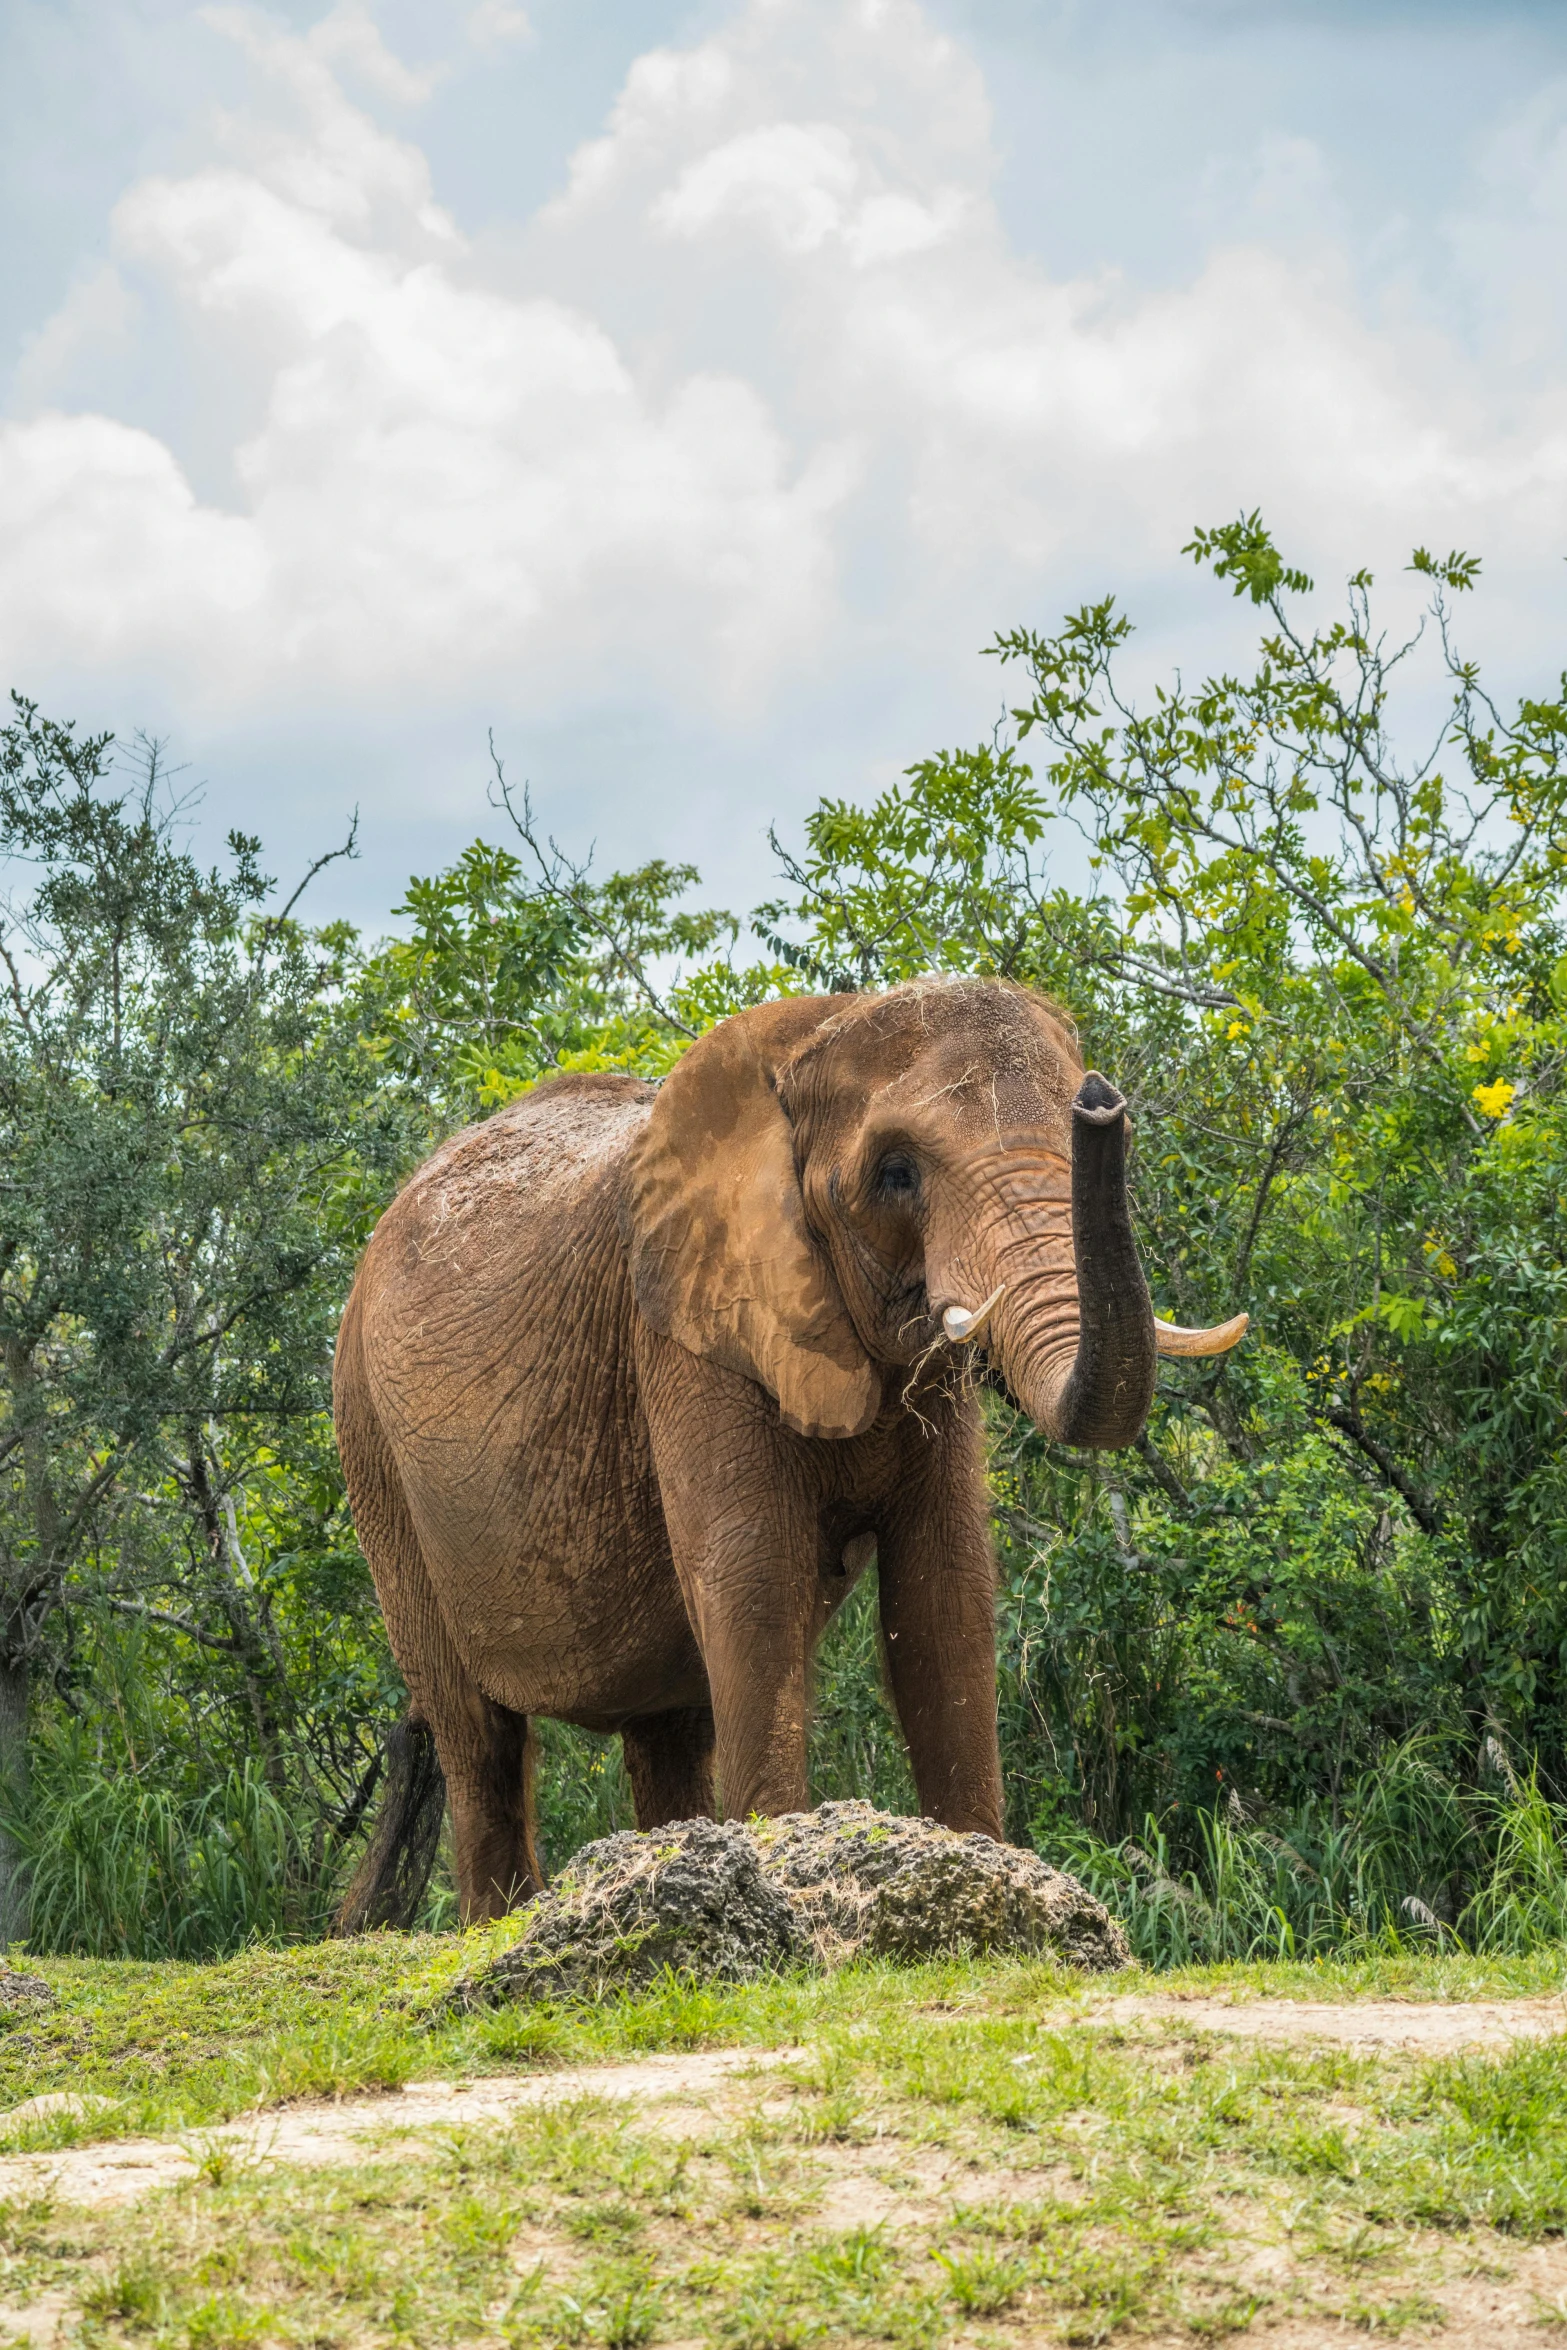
point(669, 1761)
point(487, 1751)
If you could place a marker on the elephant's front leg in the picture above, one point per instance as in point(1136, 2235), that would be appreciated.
point(754, 1611)
point(744, 1536)
point(937, 1576)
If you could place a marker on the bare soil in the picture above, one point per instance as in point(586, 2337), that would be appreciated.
point(124, 2169)
point(349, 2130)
point(1426, 2027)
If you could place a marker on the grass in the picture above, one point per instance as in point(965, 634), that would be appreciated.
point(1412, 1857)
point(944, 2152)
point(123, 1866)
point(179, 2046)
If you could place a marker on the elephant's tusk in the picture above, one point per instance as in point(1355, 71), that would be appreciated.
point(1173, 1340)
point(960, 1325)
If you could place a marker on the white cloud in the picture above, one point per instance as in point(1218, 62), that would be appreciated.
point(1030, 421)
point(109, 555)
point(448, 481)
point(317, 150)
point(1508, 243)
point(804, 186)
point(98, 314)
point(349, 35)
point(794, 179)
point(495, 22)
point(841, 407)
point(663, 90)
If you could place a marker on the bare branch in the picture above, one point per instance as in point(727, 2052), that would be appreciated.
point(1420, 1505)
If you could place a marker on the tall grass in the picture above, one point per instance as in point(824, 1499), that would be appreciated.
point(581, 1790)
point(122, 1867)
point(131, 1856)
point(1409, 1857)
point(1412, 1859)
point(856, 1747)
point(1522, 1901)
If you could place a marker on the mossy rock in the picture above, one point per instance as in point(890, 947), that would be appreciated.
point(691, 1897)
point(19, 1991)
point(865, 1884)
point(728, 1903)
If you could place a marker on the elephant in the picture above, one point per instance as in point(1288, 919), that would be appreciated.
point(634, 1381)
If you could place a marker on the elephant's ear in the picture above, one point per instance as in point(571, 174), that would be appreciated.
point(720, 1256)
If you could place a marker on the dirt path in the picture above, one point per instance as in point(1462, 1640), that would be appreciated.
point(121, 2170)
point(1427, 2027)
point(907, 2192)
point(124, 2169)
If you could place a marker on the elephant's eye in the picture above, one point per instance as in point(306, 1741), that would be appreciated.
point(897, 1177)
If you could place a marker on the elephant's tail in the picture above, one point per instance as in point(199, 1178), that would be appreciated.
point(390, 1881)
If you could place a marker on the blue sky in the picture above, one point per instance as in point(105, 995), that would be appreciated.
point(687, 393)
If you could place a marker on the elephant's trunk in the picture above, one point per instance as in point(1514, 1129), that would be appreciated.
point(1075, 1338)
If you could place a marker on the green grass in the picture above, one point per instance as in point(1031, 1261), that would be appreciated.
point(121, 1866)
point(1412, 1860)
point(180, 2046)
point(1079, 2181)
point(126, 1863)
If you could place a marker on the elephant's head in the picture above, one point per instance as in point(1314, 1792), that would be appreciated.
point(834, 1187)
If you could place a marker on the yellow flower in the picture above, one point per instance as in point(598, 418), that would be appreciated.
point(1236, 1028)
point(1493, 1099)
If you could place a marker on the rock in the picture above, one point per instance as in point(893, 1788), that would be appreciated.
point(865, 1884)
point(728, 1903)
point(19, 1990)
point(690, 1897)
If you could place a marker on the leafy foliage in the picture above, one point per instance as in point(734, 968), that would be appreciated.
point(515, 965)
point(195, 1144)
point(1331, 978)
point(1290, 1671)
point(1356, 1122)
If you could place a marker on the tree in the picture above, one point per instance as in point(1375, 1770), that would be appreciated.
point(1325, 1597)
point(1368, 944)
point(192, 1141)
point(1330, 975)
point(516, 962)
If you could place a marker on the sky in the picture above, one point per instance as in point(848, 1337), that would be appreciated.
point(686, 394)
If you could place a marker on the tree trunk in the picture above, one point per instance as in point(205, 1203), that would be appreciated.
point(390, 1881)
point(15, 1892)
